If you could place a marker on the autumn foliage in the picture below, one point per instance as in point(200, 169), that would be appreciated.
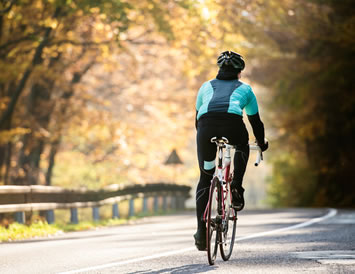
point(99, 92)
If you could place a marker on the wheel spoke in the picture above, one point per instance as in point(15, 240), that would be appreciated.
point(212, 223)
point(229, 228)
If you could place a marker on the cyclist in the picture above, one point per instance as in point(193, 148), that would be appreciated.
point(219, 112)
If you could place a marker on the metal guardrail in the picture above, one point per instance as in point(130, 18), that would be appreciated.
point(20, 199)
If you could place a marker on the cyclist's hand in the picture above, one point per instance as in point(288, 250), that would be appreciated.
point(264, 146)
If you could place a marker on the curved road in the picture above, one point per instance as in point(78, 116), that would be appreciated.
point(269, 241)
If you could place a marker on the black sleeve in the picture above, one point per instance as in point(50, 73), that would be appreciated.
point(258, 127)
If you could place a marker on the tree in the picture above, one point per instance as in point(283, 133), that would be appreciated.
point(312, 90)
point(51, 45)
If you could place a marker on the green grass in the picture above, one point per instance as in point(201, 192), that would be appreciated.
point(90, 225)
point(16, 231)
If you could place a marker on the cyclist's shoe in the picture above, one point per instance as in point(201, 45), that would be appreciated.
point(200, 240)
point(238, 198)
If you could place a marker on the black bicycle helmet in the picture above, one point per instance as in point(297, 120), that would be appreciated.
point(231, 58)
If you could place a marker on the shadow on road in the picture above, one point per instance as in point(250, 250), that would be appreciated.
point(192, 268)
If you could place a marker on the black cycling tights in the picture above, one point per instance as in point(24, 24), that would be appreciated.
point(237, 135)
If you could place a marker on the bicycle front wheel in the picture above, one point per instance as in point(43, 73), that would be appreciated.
point(229, 225)
point(213, 222)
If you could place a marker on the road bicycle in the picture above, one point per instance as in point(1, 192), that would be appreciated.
point(220, 216)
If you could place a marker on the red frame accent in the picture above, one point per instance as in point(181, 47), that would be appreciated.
point(226, 174)
point(227, 178)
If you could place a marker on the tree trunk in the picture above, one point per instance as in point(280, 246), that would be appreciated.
point(39, 109)
point(2, 162)
point(8, 163)
point(63, 109)
point(37, 60)
point(1, 26)
point(51, 160)
point(5, 154)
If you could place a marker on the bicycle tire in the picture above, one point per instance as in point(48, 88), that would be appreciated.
point(212, 222)
point(229, 226)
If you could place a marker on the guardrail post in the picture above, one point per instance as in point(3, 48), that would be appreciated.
point(74, 216)
point(20, 217)
point(181, 202)
point(115, 211)
point(156, 203)
point(164, 203)
point(173, 202)
point(95, 214)
point(145, 205)
point(131, 208)
point(50, 216)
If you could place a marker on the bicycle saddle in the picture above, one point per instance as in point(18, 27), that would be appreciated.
point(221, 141)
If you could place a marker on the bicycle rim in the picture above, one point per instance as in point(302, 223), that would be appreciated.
point(229, 225)
point(212, 223)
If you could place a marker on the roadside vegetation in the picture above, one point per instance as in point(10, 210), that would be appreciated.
point(17, 231)
point(39, 228)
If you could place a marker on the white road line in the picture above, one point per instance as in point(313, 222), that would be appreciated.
point(332, 212)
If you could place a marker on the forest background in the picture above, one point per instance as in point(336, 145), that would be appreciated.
point(94, 93)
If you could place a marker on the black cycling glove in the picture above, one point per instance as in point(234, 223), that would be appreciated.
point(264, 146)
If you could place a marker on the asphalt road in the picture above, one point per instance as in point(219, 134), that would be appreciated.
point(269, 241)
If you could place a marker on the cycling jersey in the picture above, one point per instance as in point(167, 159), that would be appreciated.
point(219, 112)
point(226, 96)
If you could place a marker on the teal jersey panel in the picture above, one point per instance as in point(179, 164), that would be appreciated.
point(204, 96)
point(252, 107)
point(243, 97)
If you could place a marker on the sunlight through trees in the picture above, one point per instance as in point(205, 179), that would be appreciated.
point(94, 93)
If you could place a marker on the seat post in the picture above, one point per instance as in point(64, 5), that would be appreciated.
point(220, 156)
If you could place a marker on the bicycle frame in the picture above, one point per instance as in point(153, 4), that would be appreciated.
point(224, 164)
point(224, 217)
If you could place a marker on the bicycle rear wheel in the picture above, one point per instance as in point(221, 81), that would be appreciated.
point(213, 221)
point(229, 225)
